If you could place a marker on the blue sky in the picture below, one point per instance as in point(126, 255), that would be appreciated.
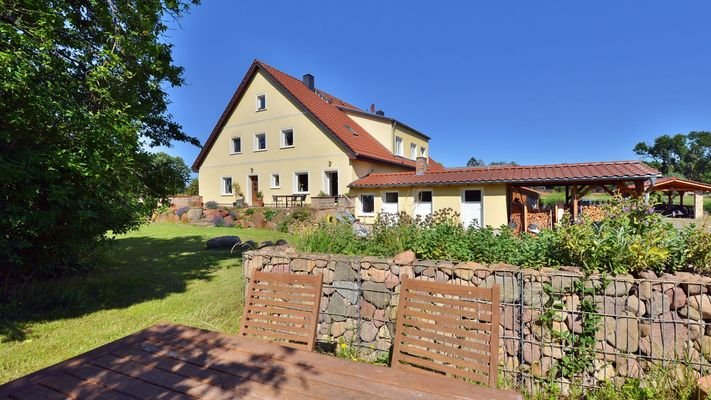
point(533, 82)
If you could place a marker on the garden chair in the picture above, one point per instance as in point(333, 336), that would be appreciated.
point(282, 308)
point(448, 329)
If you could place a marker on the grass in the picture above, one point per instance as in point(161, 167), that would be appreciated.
point(160, 273)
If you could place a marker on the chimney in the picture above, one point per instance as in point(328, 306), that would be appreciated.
point(380, 112)
point(309, 82)
point(420, 165)
point(372, 108)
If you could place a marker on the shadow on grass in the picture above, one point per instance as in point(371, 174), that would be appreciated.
point(133, 270)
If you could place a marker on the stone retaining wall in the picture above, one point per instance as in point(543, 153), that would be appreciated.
point(645, 319)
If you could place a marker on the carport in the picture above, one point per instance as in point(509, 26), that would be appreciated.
point(673, 186)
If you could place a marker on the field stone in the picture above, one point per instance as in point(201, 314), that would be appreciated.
point(534, 295)
point(623, 332)
point(344, 272)
point(368, 331)
point(703, 345)
point(508, 286)
point(349, 290)
point(405, 258)
point(367, 310)
point(644, 290)
point(677, 297)
point(618, 288)
point(562, 283)
point(690, 313)
point(531, 352)
point(628, 367)
point(376, 293)
point(339, 308)
point(338, 328)
point(659, 304)
point(391, 280)
point(222, 242)
point(636, 306)
point(701, 303)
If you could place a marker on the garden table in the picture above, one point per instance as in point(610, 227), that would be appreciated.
point(179, 362)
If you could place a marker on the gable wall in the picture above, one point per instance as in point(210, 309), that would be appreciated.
point(313, 150)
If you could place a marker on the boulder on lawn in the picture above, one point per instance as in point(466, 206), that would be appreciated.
point(222, 242)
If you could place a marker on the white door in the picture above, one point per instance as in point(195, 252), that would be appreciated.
point(423, 203)
point(390, 203)
point(471, 208)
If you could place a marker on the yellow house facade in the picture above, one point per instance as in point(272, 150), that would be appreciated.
point(281, 136)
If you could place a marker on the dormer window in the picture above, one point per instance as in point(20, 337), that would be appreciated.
point(413, 151)
point(261, 102)
point(423, 152)
point(398, 146)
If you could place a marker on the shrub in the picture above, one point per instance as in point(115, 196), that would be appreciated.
point(233, 213)
point(630, 238)
point(211, 205)
point(217, 220)
point(182, 210)
point(269, 214)
point(296, 215)
point(249, 211)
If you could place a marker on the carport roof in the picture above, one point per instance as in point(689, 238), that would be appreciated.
point(677, 184)
point(549, 174)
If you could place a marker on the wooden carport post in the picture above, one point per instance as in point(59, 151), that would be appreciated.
point(574, 203)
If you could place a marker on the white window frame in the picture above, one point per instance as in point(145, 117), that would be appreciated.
point(257, 102)
point(423, 151)
point(256, 142)
point(360, 205)
point(232, 145)
point(413, 151)
point(223, 186)
point(296, 182)
point(271, 182)
point(415, 202)
point(283, 138)
point(399, 146)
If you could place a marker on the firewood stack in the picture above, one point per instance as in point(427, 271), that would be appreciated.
point(594, 212)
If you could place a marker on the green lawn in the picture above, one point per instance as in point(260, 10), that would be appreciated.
point(160, 273)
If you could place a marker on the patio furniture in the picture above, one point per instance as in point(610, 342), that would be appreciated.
point(179, 362)
point(283, 200)
point(283, 308)
point(448, 329)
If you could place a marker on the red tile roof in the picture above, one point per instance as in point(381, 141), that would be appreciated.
point(319, 106)
point(521, 174)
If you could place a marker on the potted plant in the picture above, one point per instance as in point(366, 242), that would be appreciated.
point(239, 197)
point(260, 199)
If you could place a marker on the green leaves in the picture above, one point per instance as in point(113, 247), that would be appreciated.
point(80, 89)
point(688, 156)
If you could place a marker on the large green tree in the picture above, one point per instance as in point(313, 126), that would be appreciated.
point(82, 95)
point(687, 156)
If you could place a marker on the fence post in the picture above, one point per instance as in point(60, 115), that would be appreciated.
point(519, 316)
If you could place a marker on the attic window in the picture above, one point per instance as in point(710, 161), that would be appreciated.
point(261, 102)
point(351, 130)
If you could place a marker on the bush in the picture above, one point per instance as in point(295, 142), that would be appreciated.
point(630, 238)
point(211, 205)
point(217, 220)
point(295, 216)
point(269, 214)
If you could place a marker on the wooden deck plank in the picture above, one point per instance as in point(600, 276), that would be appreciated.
point(338, 372)
point(35, 391)
point(267, 380)
point(77, 388)
point(178, 362)
point(123, 383)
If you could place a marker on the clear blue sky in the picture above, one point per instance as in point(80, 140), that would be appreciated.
point(533, 82)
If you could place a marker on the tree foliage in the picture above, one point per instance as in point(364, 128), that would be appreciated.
point(477, 162)
point(687, 156)
point(171, 172)
point(193, 188)
point(82, 94)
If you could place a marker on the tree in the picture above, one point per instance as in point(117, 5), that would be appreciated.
point(475, 162)
point(193, 188)
point(172, 172)
point(82, 94)
point(687, 156)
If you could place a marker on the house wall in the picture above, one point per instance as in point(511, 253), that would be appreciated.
point(313, 151)
point(384, 132)
point(493, 201)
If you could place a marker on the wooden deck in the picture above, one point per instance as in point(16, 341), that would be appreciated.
point(179, 362)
